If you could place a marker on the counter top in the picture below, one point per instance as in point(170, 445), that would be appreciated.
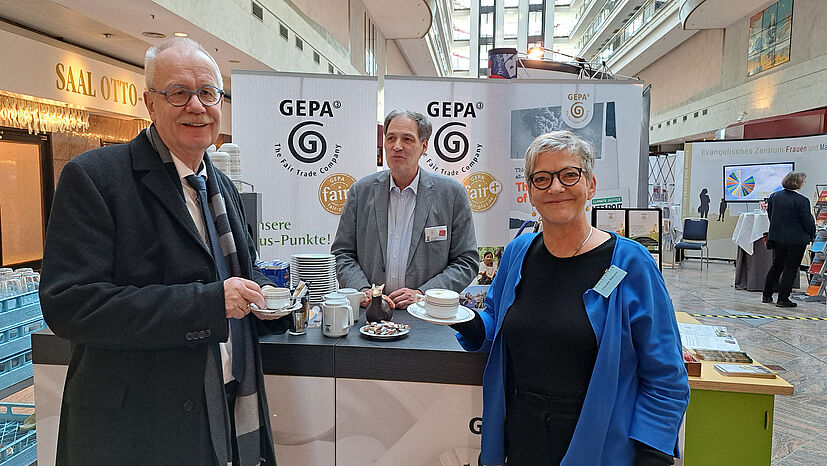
point(428, 353)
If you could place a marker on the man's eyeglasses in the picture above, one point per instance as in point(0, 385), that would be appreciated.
point(568, 176)
point(178, 95)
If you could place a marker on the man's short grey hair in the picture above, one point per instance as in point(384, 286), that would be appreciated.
point(794, 180)
point(423, 125)
point(565, 141)
point(152, 54)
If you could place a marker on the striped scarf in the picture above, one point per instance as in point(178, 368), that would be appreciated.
point(249, 426)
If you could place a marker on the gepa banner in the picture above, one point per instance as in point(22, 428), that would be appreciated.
point(304, 140)
point(483, 127)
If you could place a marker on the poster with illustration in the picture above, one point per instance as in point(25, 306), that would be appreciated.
point(611, 220)
point(644, 227)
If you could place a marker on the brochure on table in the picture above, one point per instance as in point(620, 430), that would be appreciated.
point(707, 337)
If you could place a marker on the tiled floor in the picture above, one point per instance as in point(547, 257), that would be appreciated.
point(799, 346)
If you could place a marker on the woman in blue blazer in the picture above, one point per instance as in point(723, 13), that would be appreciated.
point(579, 372)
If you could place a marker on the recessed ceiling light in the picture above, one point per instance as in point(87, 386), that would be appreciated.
point(154, 35)
point(235, 61)
point(179, 34)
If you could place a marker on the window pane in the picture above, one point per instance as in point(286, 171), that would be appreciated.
point(462, 4)
point(535, 23)
point(512, 3)
point(511, 23)
point(484, 56)
point(487, 25)
point(461, 58)
point(21, 202)
point(462, 26)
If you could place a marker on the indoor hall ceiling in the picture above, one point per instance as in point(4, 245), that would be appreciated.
point(84, 23)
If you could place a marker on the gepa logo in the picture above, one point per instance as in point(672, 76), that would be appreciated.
point(308, 108)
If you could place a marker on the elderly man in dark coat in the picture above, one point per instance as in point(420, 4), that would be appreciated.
point(148, 272)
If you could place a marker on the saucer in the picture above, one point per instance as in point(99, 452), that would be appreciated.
point(463, 315)
point(280, 312)
point(398, 334)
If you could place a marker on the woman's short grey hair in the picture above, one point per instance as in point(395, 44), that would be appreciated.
point(152, 54)
point(794, 180)
point(565, 141)
point(423, 125)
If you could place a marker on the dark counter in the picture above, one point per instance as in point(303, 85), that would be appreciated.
point(428, 353)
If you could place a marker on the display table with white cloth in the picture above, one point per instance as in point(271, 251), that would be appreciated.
point(753, 259)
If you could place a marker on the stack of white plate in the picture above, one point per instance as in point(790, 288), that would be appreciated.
point(318, 270)
point(221, 161)
point(234, 165)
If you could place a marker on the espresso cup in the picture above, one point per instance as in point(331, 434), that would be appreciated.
point(439, 303)
point(276, 298)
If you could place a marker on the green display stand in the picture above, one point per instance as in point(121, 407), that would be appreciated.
point(728, 429)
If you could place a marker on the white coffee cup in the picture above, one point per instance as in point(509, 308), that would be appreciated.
point(276, 298)
point(439, 303)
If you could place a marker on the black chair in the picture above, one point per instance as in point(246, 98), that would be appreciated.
point(694, 238)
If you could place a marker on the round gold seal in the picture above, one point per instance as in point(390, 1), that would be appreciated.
point(483, 190)
point(333, 192)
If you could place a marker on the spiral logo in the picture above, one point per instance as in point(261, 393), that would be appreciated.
point(453, 145)
point(577, 110)
point(312, 145)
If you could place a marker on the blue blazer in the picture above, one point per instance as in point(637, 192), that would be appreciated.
point(639, 388)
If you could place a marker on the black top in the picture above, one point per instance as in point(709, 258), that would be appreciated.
point(547, 324)
point(546, 330)
point(791, 219)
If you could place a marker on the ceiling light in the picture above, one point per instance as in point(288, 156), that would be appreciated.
point(179, 34)
point(154, 35)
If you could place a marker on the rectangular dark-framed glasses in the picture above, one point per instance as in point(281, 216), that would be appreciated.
point(568, 176)
point(178, 95)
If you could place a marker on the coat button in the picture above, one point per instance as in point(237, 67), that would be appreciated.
point(209, 332)
point(188, 405)
point(202, 334)
point(189, 336)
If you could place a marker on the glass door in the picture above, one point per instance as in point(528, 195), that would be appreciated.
point(26, 189)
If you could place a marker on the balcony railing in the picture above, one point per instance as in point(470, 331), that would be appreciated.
point(644, 16)
point(594, 27)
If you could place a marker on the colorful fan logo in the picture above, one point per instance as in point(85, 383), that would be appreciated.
point(739, 187)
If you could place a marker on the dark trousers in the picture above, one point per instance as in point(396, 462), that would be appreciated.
point(786, 258)
point(538, 429)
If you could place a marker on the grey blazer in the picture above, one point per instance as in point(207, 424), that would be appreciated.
point(361, 241)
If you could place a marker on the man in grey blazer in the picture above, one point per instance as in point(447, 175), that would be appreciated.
point(406, 227)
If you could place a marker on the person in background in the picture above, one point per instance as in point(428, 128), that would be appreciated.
point(148, 271)
point(792, 227)
point(406, 227)
point(487, 269)
point(703, 209)
point(722, 209)
point(576, 375)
